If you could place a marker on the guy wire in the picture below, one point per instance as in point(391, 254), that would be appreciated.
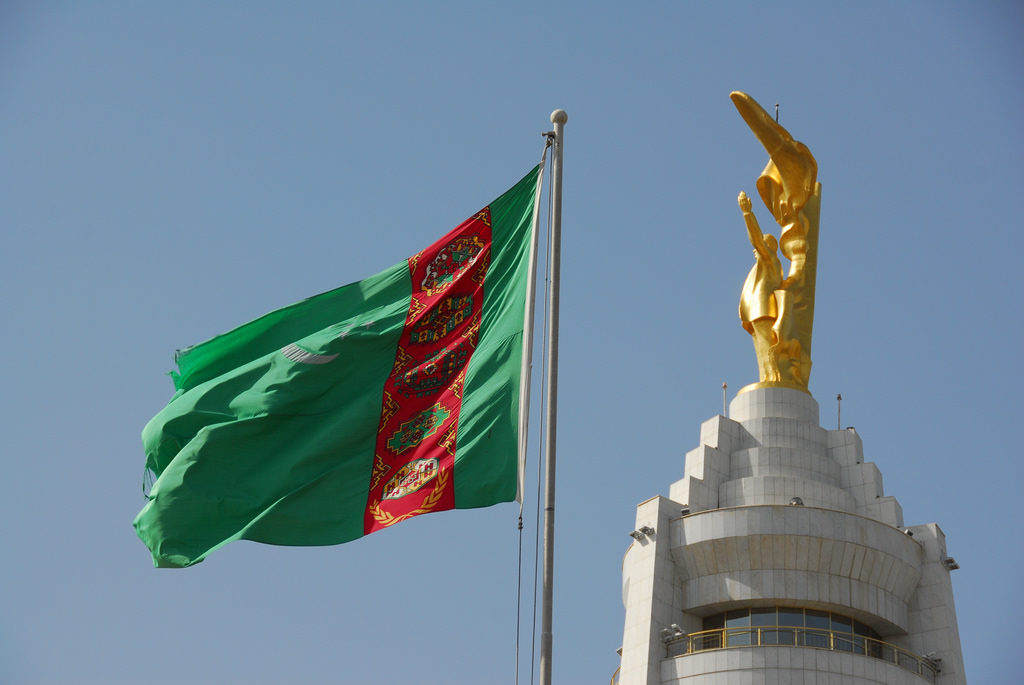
point(519, 569)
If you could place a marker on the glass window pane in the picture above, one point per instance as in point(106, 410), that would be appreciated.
point(787, 637)
point(862, 629)
point(738, 617)
point(816, 619)
point(763, 617)
point(816, 638)
point(842, 641)
point(842, 624)
point(708, 641)
point(713, 622)
point(906, 661)
point(791, 617)
point(736, 638)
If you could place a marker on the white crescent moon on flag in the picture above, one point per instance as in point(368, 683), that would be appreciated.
point(297, 354)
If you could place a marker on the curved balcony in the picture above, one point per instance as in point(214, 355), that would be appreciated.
point(798, 555)
point(791, 636)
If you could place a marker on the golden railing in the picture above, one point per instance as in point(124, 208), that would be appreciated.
point(793, 636)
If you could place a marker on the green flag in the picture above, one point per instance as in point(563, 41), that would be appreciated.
point(355, 409)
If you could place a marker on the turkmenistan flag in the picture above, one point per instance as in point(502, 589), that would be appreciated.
point(355, 409)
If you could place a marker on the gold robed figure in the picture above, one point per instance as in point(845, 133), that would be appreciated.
point(778, 310)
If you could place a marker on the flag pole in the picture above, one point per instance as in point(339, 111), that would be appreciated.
point(558, 118)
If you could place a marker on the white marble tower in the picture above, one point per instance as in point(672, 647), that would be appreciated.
point(778, 559)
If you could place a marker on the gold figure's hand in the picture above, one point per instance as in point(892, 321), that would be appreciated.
point(744, 201)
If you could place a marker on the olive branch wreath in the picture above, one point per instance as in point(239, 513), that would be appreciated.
point(429, 502)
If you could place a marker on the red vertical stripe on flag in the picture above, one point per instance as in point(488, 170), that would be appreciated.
point(415, 451)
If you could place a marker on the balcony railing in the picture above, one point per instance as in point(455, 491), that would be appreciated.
point(789, 636)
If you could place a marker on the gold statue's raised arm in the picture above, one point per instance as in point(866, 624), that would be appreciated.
point(789, 188)
point(759, 309)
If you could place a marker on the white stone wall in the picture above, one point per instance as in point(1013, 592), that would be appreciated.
point(650, 593)
point(933, 627)
point(796, 556)
point(741, 543)
point(862, 479)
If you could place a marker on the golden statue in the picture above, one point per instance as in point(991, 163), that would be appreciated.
point(779, 312)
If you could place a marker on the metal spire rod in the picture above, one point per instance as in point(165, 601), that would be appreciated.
point(558, 118)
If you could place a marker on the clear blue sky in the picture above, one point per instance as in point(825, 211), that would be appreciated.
point(170, 170)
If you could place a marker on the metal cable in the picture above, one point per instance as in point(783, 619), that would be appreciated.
point(519, 569)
